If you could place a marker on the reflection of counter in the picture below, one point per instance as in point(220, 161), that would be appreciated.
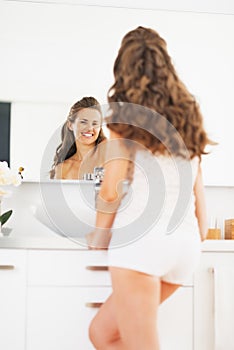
point(33, 226)
point(30, 233)
point(53, 242)
point(51, 214)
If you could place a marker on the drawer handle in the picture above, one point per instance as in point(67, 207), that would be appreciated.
point(97, 268)
point(7, 267)
point(93, 305)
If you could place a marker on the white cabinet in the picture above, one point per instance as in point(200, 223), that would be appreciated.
point(176, 321)
point(67, 268)
point(48, 298)
point(58, 318)
point(12, 299)
point(213, 302)
point(62, 283)
point(64, 288)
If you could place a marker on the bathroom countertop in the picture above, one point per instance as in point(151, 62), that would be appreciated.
point(218, 245)
point(54, 241)
point(25, 242)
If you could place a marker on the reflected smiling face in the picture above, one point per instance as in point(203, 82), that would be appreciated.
point(87, 126)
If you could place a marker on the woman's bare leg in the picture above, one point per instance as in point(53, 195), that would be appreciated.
point(104, 331)
point(127, 320)
point(136, 299)
point(167, 289)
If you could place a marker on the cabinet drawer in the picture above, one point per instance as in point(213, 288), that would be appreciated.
point(68, 268)
point(12, 266)
point(59, 317)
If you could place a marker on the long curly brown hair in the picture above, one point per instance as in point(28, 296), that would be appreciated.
point(149, 103)
point(67, 147)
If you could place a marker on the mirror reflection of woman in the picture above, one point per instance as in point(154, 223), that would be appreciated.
point(83, 141)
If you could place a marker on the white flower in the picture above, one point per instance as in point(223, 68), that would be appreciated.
point(4, 193)
point(7, 176)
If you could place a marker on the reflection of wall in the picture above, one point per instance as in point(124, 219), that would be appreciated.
point(58, 53)
point(33, 124)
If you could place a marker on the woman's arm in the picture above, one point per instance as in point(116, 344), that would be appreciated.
point(110, 195)
point(200, 205)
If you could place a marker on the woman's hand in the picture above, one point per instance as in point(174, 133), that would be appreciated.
point(98, 239)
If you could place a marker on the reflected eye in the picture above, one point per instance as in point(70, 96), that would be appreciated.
point(95, 124)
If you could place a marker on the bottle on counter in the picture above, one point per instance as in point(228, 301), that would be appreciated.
point(229, 228)
point(214, 232)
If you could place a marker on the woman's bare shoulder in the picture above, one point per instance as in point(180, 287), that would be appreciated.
point(58, 171)
point(104, 141)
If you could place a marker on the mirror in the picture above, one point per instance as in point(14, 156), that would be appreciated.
point(54, 54)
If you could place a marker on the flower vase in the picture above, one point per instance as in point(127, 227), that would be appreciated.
point(7, 177)
point(3, 219)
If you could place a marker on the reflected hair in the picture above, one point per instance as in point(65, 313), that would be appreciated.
point(67, 147)
point(149, 103)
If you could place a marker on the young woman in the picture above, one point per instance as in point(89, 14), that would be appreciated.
point(157, 128)
point(81, 136)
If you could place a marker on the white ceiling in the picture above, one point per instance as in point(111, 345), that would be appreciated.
point(209, 6)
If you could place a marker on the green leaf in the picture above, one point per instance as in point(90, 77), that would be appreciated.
point(4, 217)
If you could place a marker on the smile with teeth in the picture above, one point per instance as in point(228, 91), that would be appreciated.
point(87, 134)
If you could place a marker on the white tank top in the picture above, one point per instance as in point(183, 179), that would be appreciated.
point(160, 196)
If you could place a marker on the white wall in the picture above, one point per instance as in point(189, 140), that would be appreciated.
point(53, 54)
point(209, 6)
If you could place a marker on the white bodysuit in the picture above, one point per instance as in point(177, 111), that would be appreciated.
point(156, 230)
